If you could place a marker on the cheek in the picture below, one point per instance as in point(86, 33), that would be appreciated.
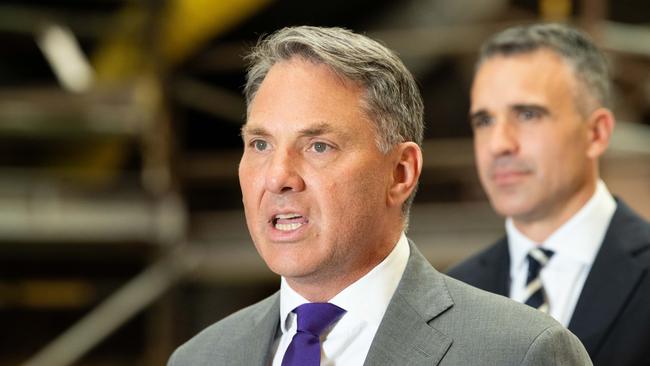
point(567, 165)
point(351, 192)
point(551, 152)
point(246, 190)
point(480, 151)
point(243, 174)
point(251, 185)
point(335, 198)
point(482, 163)
point(370, 187)
point(250, 177)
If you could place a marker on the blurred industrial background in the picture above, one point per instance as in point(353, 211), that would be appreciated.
point(121, 227)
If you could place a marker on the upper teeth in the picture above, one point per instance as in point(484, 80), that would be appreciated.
point(286, 216)
point(287, 226)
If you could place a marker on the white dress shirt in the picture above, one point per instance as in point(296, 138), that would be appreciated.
point(575, 244)
point(365, 302)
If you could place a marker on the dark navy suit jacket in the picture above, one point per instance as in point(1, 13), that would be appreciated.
point(612, 316)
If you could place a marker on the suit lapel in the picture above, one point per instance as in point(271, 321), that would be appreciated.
point(488, 270)
point(496, 266)
point(611, 281)
point(253, 347)
point(404, 336)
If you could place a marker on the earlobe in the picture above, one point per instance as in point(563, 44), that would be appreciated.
point(601, 126)
point(406, 172)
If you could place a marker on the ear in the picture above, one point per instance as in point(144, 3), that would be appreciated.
point(406, 172)
point(601, 126)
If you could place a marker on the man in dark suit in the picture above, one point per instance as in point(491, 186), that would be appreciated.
point(538, 110)
point(330, 164)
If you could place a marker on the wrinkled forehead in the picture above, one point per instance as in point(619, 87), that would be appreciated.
point(307, 98)
point(299, 58)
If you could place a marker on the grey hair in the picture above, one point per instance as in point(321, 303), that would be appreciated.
point(392, 99)
point(575, 47)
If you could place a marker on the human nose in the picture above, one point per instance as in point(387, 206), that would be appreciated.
point(503, 139)
point(282, 174)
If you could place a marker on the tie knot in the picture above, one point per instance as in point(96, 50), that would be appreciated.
point(315, 317)
point(540, 255)
point(537, 258)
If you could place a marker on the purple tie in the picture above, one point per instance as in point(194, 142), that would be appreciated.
point(313, 319)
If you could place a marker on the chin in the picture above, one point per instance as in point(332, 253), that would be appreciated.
point(286, 265)
point(294, 273)
point(509, 209)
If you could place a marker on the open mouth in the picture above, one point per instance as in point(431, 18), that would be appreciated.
point(288, 222)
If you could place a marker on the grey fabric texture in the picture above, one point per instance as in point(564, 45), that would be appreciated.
point(432, 319)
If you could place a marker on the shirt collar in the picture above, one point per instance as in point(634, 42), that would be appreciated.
point(579, 238)
point(367, 298)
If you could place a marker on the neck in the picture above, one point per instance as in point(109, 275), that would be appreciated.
point(329, 284)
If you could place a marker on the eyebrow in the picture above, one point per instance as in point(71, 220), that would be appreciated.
point(480, 113)
point(311, 131)
point(537, 107)
point(471, 116)
point(317, 130)
point(256, 131)
point(515, 107)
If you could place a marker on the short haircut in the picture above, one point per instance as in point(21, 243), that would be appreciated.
point(575, 47)
point(392, 99)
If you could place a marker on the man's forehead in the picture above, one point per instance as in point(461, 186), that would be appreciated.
point(541, 51)
point(520, 75)
point(530, 64)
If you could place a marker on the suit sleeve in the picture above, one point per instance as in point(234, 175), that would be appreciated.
point(556, 346)
point(172, 359)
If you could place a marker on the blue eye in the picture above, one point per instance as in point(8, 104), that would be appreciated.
point(320, 147)
point(260, 145)
point(529, 114)
point(480, 120)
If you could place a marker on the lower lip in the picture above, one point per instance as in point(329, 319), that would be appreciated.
point(510, 178)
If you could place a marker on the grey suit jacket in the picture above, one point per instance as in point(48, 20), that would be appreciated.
point(432, 319)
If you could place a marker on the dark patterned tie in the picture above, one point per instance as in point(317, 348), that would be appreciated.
point(537, 259)
point(313, 319)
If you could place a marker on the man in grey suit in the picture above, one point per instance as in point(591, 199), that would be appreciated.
point(540, 117)
point(330, 165)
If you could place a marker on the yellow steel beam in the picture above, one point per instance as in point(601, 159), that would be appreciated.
point(188, 24)
point(140, 42)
